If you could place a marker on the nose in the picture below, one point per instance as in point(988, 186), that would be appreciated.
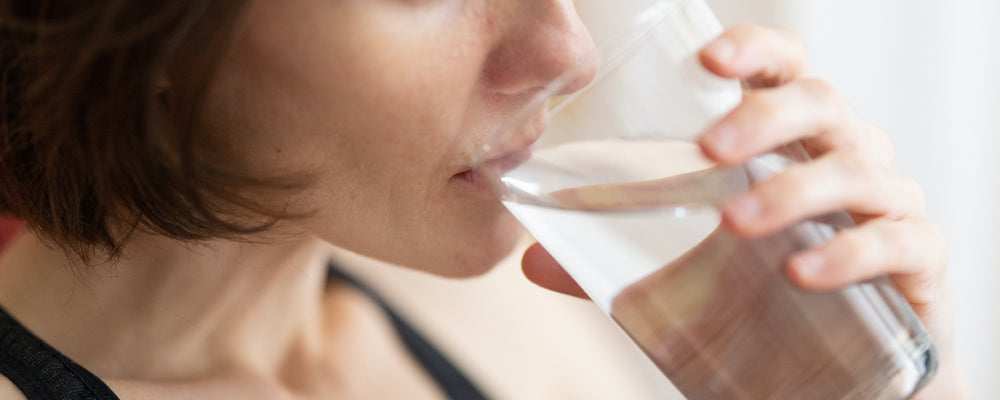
point(544, 40)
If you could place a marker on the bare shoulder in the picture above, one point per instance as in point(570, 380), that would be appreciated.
point(8, 391)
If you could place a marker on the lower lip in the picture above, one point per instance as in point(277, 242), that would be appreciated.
point(472, 178)
point(505, 162)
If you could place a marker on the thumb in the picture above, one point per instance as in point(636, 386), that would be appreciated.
point(540, 268)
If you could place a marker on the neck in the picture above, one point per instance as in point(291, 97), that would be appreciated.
point(170, 311)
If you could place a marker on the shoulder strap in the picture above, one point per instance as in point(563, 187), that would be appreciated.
point(455, 384)
point(42, 372)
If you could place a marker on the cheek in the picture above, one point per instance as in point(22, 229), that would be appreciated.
point(372, 97)
point(381, 129)
point(292, 100)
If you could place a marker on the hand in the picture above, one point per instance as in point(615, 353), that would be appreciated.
point(851, 171)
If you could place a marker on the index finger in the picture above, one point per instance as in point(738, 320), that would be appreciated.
point(762, 57)
point(539, 267)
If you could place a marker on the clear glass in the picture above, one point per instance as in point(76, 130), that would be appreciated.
point(609, 180)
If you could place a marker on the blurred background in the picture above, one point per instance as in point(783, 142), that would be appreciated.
point(926, 71)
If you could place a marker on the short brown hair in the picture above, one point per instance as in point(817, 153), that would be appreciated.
point(91, 146)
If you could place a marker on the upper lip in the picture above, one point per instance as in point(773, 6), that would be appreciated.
point(513, 149)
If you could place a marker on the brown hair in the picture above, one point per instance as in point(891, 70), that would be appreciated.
point(92, 144)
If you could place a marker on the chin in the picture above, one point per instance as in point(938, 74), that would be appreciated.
point(473, 255)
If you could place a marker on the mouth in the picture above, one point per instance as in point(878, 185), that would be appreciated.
point(514, 148)
point(499, 164)
point(506, 152)
point(470, 177)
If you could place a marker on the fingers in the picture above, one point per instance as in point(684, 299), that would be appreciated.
point(912, 250)
point(762, 57)
point(838, 181)
point(540, 268)
point(809, 110)
point(801, 108)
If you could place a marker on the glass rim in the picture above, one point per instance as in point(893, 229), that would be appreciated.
point(620, 46)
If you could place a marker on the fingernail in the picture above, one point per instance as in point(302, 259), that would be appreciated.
point(744, 209)
point(722, 139)
point(808, 265)
point(722, 50)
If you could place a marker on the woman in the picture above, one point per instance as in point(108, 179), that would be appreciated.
point(194, 160)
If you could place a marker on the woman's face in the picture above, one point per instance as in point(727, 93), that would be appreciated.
point(384, 102)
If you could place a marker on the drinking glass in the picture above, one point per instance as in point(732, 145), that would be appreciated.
point(608, 179)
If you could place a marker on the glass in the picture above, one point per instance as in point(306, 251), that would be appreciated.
point(610, 181)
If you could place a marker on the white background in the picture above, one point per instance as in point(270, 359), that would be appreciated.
point(928, 72)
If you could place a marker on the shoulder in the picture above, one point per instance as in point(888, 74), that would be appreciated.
point(8, 391)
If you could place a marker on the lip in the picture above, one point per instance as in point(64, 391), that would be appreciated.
point(499, 164)
point(506, 154)
point(513, 150)
point(471, 177)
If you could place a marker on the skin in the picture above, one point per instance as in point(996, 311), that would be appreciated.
point(387, 133)
point(382, 103)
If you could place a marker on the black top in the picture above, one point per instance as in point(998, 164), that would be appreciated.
point(43, 373)
point(40, 371)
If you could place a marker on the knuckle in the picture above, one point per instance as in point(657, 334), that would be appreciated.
point(870, 182)
point(881, 145)
point(784, 195)
point(784, 50)
point(943, 255)
point(935, 248)
point(893, 238)
point(913, 192)
point(761, 107)
point(920, 259)
point(836, 115)
point(823, 91)
point(797, 49)
point(854, 248)
point(855, 168)
point(795, 185)
point(793, 38)
point(744, 31)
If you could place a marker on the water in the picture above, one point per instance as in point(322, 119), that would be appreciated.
point(715, 313)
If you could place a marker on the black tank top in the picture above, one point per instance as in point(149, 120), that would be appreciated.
point(43, 373)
